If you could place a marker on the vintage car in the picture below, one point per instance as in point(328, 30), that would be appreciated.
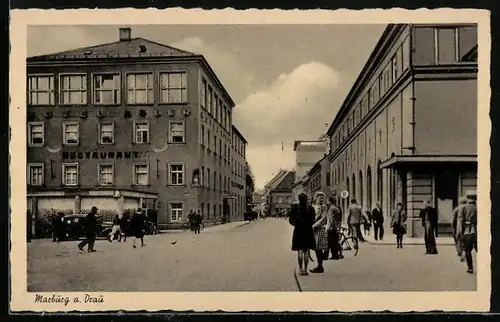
point(72, 227)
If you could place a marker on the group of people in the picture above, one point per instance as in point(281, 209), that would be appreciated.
point(134, 225)
point(315, 228)
point(195, 219)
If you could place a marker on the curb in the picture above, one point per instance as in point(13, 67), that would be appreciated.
point(406, 244)
point(297, 280)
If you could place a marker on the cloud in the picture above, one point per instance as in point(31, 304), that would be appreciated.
point(41, 42)
point(296, 106)
point(236, 78)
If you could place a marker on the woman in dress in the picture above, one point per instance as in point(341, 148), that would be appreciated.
point(319, 228)
point(302, 218)
point(137, 226)
point(398, 224)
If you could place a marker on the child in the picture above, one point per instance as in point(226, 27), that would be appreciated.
point(367, 221)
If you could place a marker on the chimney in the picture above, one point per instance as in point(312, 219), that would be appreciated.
point(125, 34)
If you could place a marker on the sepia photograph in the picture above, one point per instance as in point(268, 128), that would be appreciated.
point(250, 157)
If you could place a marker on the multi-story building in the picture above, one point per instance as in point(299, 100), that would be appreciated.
point(278, 192)
point(239, 172)
point(307, 153)
point(320, 178)
point(407, 130)
point(127, 124)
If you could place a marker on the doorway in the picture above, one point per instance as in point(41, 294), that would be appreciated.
point(446, 199)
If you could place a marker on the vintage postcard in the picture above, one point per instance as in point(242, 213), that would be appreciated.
point(195, 160)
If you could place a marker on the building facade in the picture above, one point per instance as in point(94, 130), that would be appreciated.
point(307, 154)
point(128, 124)
point(280, 196)
point(320, 178)
point(407, 130)
point(239, 173)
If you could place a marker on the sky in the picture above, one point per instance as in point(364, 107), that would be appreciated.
point(288, 81)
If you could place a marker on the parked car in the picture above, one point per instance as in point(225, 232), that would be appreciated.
point(73, 229)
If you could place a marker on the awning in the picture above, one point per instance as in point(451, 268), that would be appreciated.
point(422, 159)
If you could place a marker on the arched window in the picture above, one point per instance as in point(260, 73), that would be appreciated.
point(369, 187)
point(361, 199)
point(379, 183)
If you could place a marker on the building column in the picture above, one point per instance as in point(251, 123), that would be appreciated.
point(77, 207)
point(140, 202)
point(418, 188)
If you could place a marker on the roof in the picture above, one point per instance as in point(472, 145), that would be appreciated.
point(235, 130)
point(135, 47)
point(270, 185)
point(311, 143)
point(371, 64)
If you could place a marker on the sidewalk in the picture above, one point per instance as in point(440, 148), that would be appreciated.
point(390, 239)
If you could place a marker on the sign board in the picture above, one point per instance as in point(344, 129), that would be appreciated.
point(344, 194)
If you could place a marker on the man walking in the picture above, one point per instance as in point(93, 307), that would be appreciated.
point(332, 229)
point(429, 221)
point(467, 230)
point(354, 219)
point(89, 225)
point(378, 221)
point(116, 229)
point(462, 202)
point(197, 219)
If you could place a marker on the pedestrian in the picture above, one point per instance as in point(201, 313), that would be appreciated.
point(116, 229)
point(429, 218)
point(354, 219)
point(197, 219)
point(378, 221)
point(124, 226)
point(319, 228)
point(332, 218)
point(367, 221)
point(89, 226)
point(57, 227)
point(398, 224)
point(467, 229)
point(301, 216)
point(137, 226)
point(462, 202)
point(190, 217)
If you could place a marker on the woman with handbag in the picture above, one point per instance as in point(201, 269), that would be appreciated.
point(398, 224)
point(320, 233)
point(301, 216)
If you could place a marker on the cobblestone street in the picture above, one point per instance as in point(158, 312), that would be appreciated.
point(234, 257)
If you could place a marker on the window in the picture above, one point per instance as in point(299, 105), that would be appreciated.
point(35, 174)
point(215, 143)
point(36, 133)
point(406, 54)
point(141, 174)
point(140, 88)
point(202, 139)
point(177, 132)
point(208, 140)
point(70, 174)
point(106, 174)
point(202, 177)
point(203, 96)
point(395, 70)
point(41, 90)
point(208, 178)
point(141, 132)
point(73, 89)
point(445, 42)
point(176, 211)
point(221, 110)
point(71, 135)
point(375, 94)
point(177, 174)
point(216, 107)
point(107, 89)
point(364, 106)
point(215, 180)
point(173, 87)
point(106, 133)
point(210, 96)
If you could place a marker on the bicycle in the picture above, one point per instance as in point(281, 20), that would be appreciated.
point(187, 226)
point(347, 243)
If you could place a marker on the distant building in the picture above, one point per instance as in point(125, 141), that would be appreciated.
point(130, 124)
point(407, 130)
point(307, 153)
point(278, 192)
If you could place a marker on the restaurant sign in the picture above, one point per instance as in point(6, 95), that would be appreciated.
point(103, 155)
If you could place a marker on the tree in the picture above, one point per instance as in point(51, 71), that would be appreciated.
point(250, 184)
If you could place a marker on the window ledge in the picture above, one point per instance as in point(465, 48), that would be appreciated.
point(173, 103)
point(105, 144)
point(70, 186)
point(141, 144)
point(36, 145)
point(106, 104)
point(140, 104)
point(41, 105)
point(140, 185)
point(72, 104)
point(71, 144)
point(177, 143)
point(176, 185)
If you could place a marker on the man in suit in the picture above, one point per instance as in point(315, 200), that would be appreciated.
point(90, 226)
point(355, 218)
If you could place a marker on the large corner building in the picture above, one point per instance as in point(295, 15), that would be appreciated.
point(407, 130)
point(131, 124)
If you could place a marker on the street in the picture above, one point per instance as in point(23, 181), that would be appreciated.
point(236, 257)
